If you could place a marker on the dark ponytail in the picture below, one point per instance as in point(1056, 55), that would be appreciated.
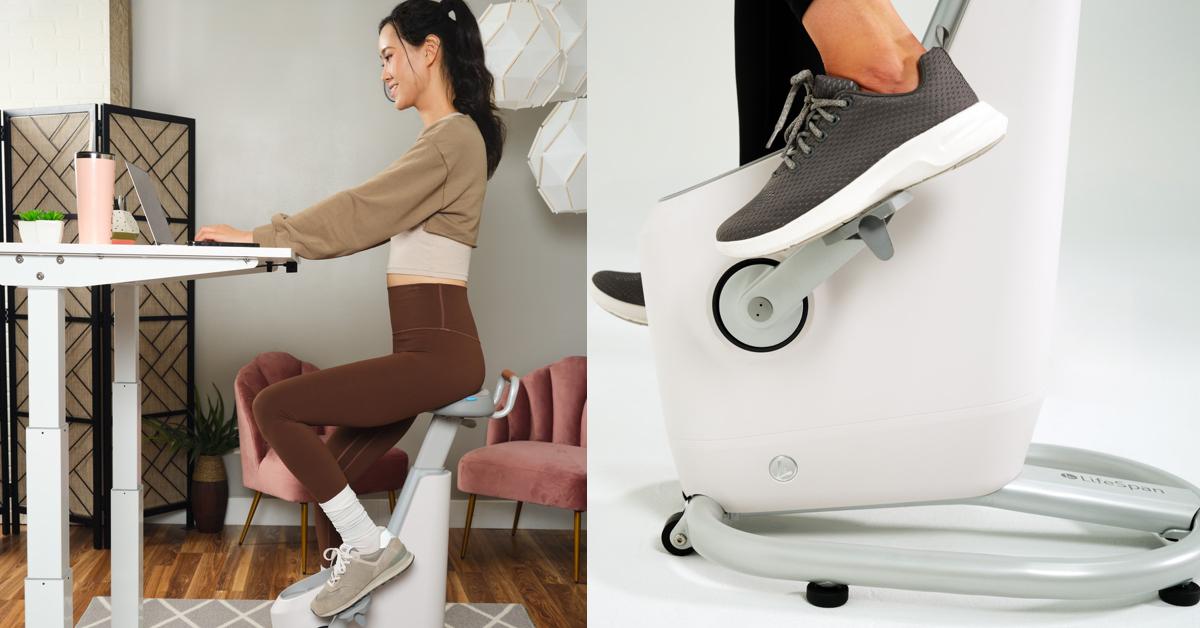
point(462, 57)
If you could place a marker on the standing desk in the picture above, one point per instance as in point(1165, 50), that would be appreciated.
point(46, 270)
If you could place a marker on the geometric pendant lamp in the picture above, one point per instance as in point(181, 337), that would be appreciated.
point(558, 157)
point(523, 53)
point(572, 22)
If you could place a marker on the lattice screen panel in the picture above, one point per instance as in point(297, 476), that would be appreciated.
point(78, 367)
point(161, 149)
point(43, 169)
point(42, 148)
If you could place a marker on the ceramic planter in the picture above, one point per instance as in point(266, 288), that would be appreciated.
point(124, 227)
point(40, 231)
point(210, 493)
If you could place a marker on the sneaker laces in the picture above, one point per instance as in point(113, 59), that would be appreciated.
point(341, 559)
point(804, 126)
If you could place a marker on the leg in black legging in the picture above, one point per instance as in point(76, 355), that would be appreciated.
point(770, 46)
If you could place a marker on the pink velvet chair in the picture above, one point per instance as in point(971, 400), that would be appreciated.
point(262, 469)
point(537, 454)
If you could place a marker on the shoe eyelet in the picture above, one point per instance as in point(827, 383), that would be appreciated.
point(849, 101)
point(835, 119)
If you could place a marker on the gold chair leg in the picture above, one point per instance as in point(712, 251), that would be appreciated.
point(577, 518)
point(516, 518)
point(303, 538)
point(467, 527)
point(391, 501)
point(250, 516)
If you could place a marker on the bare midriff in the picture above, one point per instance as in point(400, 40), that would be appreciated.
point(396, 279)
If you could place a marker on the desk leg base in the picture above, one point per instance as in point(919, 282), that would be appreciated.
point(127, 557)
point(48, 602)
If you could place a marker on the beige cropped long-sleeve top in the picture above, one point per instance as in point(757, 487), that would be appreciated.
point(427, 203)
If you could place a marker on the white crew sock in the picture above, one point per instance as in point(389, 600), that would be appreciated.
point(353, 523)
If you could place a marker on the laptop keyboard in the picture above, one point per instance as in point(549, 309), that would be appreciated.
point(216, 243)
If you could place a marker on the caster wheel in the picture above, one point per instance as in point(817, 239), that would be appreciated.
point(827, 594)
point(679, 546)
point(1186, 594)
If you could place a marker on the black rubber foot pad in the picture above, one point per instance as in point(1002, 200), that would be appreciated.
point(827, 595)
point(1186, 594)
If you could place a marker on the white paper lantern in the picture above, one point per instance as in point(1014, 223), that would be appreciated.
point(572, 23)
point(522, 51)
point(558, 157)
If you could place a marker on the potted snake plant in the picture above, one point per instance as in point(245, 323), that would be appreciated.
point(212, 437)
point(40, 227)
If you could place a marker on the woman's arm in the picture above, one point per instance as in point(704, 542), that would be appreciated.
point(397, 199)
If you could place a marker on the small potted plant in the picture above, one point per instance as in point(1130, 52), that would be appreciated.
point(213, 436)
point(40, 227)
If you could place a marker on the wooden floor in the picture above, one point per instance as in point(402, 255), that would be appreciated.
point(532, 568)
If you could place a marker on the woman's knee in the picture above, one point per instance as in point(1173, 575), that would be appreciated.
point(266, 408)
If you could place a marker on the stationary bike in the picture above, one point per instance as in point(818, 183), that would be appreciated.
point(421, 519)
point(822, 378)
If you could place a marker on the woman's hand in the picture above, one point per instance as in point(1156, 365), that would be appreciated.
point(224, 233)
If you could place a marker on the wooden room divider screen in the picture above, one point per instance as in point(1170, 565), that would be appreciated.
point(38, 149)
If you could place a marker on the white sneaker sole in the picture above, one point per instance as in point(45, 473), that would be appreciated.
point(627, 311)
point(949, 144)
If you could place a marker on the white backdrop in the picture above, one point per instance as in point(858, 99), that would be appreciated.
point(1123, 365)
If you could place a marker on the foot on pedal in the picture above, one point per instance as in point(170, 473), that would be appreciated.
point(354, 575)
point(848, 149)
point(619, 294)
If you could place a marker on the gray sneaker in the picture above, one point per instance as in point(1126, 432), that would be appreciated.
point(620, 294)
point(354, 575)
point(848, 149)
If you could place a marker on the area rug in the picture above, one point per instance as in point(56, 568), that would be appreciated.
point(167, 613)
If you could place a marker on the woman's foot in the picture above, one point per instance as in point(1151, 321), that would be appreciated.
point(848, 149)
point(354, 574)
point(619, 294)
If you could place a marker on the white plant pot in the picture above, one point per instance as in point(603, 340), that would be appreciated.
point(41, 231)
point(50, 231)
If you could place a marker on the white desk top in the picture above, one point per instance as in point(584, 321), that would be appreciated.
point(275, 254)
point(83, 265)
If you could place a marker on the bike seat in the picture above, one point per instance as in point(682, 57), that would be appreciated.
point(476, 406)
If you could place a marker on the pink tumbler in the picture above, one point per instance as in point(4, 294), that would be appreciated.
point(95, 178)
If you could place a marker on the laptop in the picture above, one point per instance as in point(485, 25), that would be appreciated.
point(156, 217)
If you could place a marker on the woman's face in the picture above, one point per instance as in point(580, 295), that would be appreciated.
point(405, 69)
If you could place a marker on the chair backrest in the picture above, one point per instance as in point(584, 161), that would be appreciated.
point(583, 426)
point(265, 369)
point(550, 406)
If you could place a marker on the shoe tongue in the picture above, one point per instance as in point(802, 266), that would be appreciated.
point(825, 86)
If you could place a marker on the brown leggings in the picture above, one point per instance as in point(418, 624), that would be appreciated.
point(436, 360)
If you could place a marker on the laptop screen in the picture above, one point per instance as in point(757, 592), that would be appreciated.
point(147, 191)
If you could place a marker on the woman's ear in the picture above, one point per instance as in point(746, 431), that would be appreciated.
point(433, 45)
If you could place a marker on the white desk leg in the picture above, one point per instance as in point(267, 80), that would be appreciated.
point(48, 581)
point(127, 461)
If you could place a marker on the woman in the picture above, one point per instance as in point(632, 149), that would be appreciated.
point(428, 204)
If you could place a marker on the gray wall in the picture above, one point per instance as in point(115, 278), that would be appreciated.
point(289, 109)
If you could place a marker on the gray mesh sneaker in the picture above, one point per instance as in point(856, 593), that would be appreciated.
point(848, 149)
point(354, 575)
point(620, 294)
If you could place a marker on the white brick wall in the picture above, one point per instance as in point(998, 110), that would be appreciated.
point(54, 52)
